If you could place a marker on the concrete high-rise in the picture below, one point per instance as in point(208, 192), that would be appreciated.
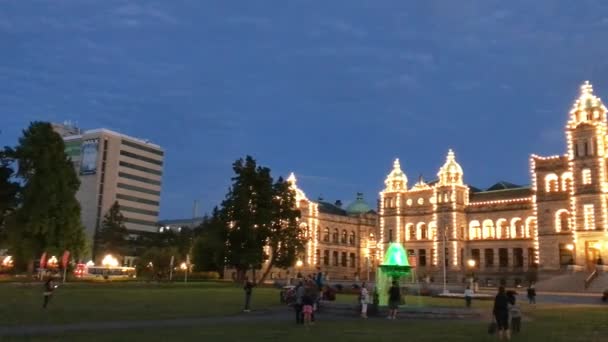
point(115, 167)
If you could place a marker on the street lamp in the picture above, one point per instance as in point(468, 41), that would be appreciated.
point(471, 263)
point(184, 267)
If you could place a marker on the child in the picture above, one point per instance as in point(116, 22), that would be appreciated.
point(307, 303)
point(514, 313)
point(364, 299)
point(49, 287)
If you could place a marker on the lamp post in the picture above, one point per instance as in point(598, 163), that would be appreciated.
point(184, 267)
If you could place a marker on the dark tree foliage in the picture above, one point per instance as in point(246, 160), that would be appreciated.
point(113, 235)
point(9, 190)
point(209, 250)
point(48, 218)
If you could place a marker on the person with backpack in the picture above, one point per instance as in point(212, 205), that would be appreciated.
point(468, 296)
point(501, 314)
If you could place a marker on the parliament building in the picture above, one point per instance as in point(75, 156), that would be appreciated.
point(499, 235)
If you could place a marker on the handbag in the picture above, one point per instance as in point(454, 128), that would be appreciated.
point(492, 327)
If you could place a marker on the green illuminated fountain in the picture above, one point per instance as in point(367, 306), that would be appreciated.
point(394, 267)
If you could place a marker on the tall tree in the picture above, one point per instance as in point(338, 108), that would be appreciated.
point(48, 218)
point(248, 211)
point(8, 189)
point(113, 234)
point(286, 239)
point(209, 250)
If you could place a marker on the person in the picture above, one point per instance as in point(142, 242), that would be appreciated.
point(394, 299)
point(311, 291)
point(514, 312)
point(248, 288)
point(300, 290)
point(307, 310)
point(364, 300)
point(501, 314)
point(531, 294)
point(468, 296)
point(49, 287)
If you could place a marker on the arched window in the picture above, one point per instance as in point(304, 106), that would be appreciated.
point(318, 233)
point(502, 229)
point(474, 230)
point(562, 220)
point(586, 176)
point(352, 260)
point(422, 231)
point(567, 181)
point(344, 237)
point(530, 227)
point(517, 228)
point(335, 236)
point(410, 231)
point(326, 234)
point(432, 234)
point(488, 230)
point(551, 183)
point(351, 239)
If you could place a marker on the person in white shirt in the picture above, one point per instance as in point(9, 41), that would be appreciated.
point(364, 299)
point(468, 296)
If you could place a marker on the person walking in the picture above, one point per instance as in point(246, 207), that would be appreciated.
point(248, 288)
point(394, 299)
point(364, 300)
point(468, 296)
point(501, 314)
point(531, 294)
point(300, 291)
point(49, 287)
point(307, 308)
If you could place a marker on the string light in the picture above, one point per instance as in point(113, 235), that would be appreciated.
point(514, 200)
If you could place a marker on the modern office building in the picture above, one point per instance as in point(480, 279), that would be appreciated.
point(115, 167)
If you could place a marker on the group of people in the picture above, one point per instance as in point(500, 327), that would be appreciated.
point(307, 294)
point(507, 313)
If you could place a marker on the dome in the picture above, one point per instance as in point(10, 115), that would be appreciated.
point(450, 172)
point(588, 106)
point(359, 206)
point(300, 195)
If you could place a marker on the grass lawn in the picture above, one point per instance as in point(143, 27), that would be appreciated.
point(22, 304)
point(554, 324)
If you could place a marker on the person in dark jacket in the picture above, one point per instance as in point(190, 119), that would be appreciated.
point(501, 314)
point(394, 299)
point(300, 292)
point(49, 287)
point(248, 288)
point(532, 294)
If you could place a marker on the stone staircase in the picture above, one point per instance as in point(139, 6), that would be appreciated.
point(573, 282)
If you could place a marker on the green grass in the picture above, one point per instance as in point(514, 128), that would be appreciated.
point(125, 301)
point(555, 324)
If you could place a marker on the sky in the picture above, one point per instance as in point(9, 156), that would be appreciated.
point(331, 90)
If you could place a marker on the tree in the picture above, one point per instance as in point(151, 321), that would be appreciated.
point(157, 261)
point(8, 191)
point(209, 250)
point(286, 239)
point(248, 211)
point(261, 217)
point(113, 234)
point(48, 218)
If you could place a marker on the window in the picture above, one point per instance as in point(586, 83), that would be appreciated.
point(318, 234)
point(423, 231)
point(518, 257)
point(474, 230)
point(140, 168)
point(351, 238)
point(565, 255)
point(136, 199)
point(142, 158)
point(567, 181)
point(489, 257)
point(138, 178)
point(586, 144)
point(142, 147)
point(476, 255)
point(412, 232)
point(326, 235)
point(531, 257)
point(326, 258)
point(138, 189)
point(318, 257)
point(335, 235)
point(589, 216)
point(503, 229)
point(353, 260)
point(344, 237)
point(421, 201)
point(562, 221)
point(446, 257)
point(586, 176)
point(488, 229)
point(390, 235)
point(551, 183)
point(503, 257)
point(344, 260)
point(461, 232)
point(335, 257)
point(517, 228)
point(422, 257)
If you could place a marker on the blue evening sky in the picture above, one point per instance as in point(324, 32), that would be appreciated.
point(333, 90)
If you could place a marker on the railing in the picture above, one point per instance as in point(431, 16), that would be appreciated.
point(590, 278)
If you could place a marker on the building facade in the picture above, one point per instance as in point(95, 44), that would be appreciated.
point(502, 233)
point(115, 167)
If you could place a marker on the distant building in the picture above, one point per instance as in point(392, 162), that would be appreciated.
point(177, 224)
point(115, 167)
